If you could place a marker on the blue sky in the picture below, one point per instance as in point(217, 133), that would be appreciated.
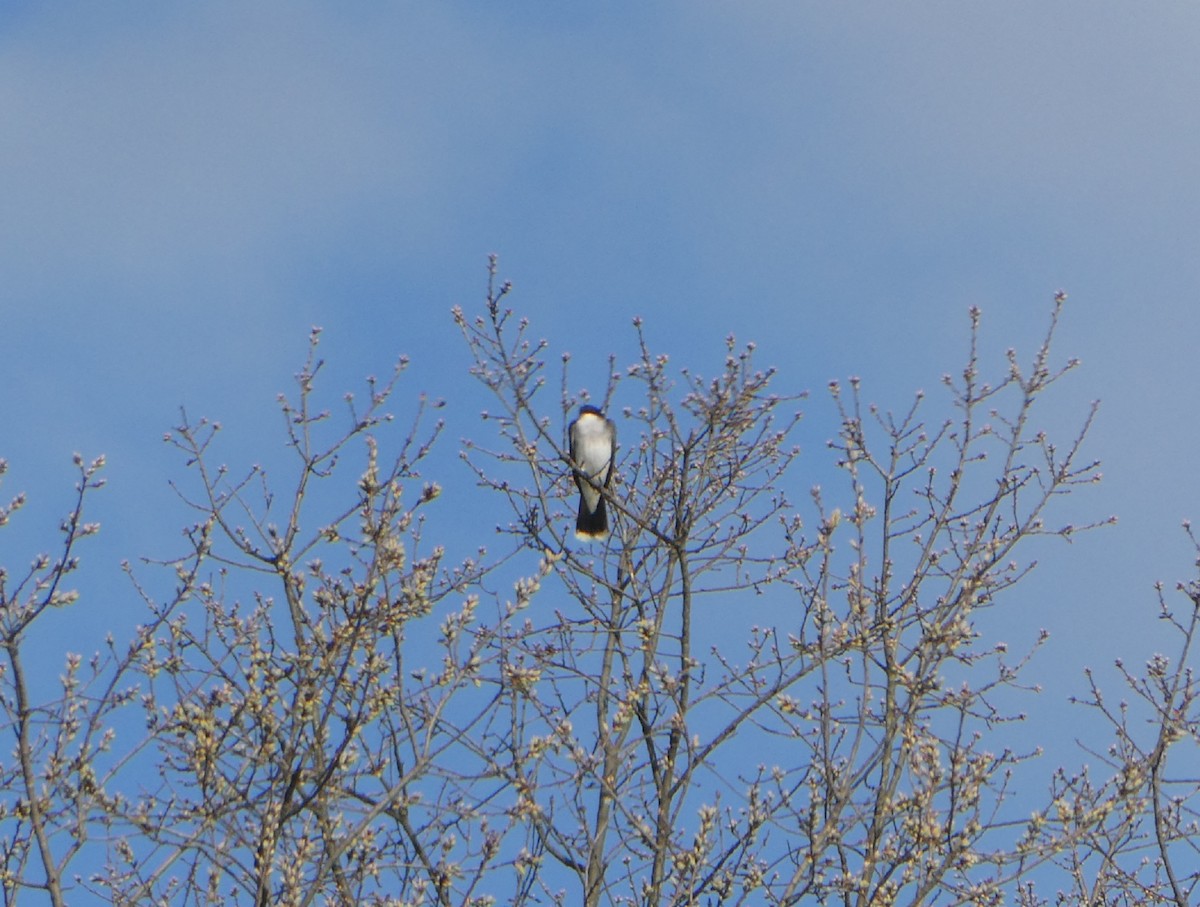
point(185, 189)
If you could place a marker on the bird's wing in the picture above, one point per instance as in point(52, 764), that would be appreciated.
point(612, 451)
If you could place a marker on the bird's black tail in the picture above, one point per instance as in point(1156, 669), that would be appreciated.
point(591, 524)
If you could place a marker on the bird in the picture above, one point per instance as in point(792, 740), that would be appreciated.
point(593, 441)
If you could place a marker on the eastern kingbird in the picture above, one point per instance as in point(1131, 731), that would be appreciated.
point(593, 440)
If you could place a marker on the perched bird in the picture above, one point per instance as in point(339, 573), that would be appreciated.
point(593, 441)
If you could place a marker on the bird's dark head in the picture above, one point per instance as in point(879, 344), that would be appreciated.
point(588, 408)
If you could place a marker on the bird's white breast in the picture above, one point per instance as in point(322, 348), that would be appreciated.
point(593, 445)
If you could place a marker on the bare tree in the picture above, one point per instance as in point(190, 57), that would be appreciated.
point(624, 685)
point(754, 691)
point(54, 780)
point(1139, 828)
point(876, 776)
point(300, 696)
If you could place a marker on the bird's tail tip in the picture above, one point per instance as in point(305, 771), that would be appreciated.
point(586, 536)
point(591, 526)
